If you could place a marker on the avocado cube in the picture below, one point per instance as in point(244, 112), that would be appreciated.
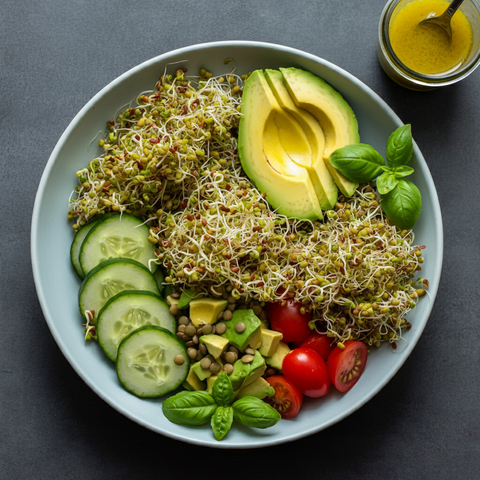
point(270, 341)
point(210, 382)
point(280, 353)
point(260, 388)
point(192, 382)
point(172, 301)
point(201, 373)
point(215, 344)
point(257, 368)
point(206, 310)
point(257, 340)
point(252, 325)
point(245, 373)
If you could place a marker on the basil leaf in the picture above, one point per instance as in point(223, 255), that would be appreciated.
point(253, 412)
point(400, 146)
point(222, 421)
point(189, 408)
point(403, 204)
point(402, 171)
point(386, 182)
point(359, 162)
point(222, 390)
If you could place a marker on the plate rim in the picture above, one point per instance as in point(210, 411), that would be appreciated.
point(35, 226)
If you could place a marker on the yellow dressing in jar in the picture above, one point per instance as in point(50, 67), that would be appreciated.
point(425, 49)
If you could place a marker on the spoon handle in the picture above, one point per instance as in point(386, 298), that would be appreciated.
point(453, 7)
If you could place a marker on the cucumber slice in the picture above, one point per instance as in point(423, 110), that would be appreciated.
point(127, 311)
point(146, 362)
point(117, 236)
point(112, 277)
point(77, 245)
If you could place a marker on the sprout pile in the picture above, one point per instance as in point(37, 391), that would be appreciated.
point(172, 160)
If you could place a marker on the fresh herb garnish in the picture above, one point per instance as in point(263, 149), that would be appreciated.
point(197, 408)
point(401, 199)
point(359, 162)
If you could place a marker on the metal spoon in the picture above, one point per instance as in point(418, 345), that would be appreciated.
point(444, 20)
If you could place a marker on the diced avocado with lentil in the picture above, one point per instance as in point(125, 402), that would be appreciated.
point(242, 328)
point(245, 373)
point(216, 345)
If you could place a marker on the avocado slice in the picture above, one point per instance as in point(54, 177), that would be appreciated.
point(322, 180)
point(274, 151)
point(334, 114)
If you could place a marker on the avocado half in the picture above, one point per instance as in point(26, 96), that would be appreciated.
point(291, 122)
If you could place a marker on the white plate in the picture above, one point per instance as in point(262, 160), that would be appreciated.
point(57, 285)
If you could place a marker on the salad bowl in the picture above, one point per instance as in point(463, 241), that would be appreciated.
point(57, 285)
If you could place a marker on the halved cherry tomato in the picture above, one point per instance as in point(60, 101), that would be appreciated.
point(289, 320)
point(307, 370)
point(345, 366)
point(287, 399)
point(319, 342)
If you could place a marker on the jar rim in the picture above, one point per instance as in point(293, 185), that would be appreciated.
point(419, 78)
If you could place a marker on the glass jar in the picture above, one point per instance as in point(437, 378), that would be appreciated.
point(408, 78)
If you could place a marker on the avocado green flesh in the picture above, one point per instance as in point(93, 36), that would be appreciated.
point(266, 152)
point(332, 112)
point(321, 178)
point(292, 121)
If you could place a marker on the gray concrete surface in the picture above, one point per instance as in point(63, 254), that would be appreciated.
point(54, 56)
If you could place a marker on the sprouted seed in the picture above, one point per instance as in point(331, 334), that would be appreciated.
point(172, 160)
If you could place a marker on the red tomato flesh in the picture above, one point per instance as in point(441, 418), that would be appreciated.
point(345, 366)
point(307, 370)
point(287, 399)
point(319, 342)
point(289, 321)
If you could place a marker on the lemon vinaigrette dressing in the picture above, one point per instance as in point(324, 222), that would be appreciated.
point(426, 49)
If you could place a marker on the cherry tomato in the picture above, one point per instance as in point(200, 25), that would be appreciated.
point(307, 370)
point(289, 321)
point(287, 399)
point(345, 366)
point(319, 342)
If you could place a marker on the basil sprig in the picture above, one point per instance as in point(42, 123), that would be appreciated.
point(199, 407)
point(401, 199)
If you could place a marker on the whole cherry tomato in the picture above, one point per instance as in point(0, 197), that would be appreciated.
point(319, 342)
point(287, 399)
point(307, 370)
point(289, 320)
point(345, 366)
